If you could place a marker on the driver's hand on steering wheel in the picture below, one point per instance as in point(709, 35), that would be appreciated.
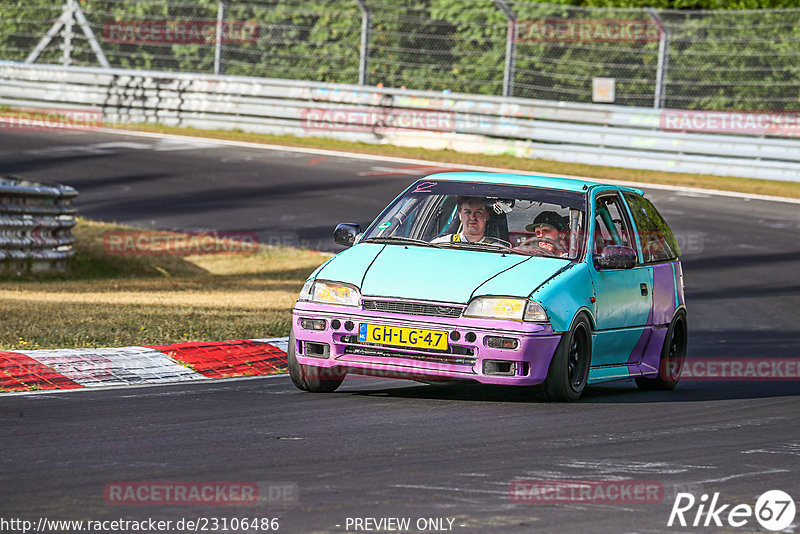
point(542, 246)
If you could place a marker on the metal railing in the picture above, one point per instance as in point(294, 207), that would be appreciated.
point(581, 133)
point(684, 59)
point(36, 221)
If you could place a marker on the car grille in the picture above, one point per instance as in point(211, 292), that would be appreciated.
point(412, 308)
point(387, 353)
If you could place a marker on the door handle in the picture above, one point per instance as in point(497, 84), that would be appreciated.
point(643, 287)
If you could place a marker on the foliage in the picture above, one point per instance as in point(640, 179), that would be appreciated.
point(720, 58)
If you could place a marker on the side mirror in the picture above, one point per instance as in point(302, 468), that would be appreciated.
point(615, 257)
point(346, 233)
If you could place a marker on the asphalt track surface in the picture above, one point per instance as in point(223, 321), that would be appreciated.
point(399, 449)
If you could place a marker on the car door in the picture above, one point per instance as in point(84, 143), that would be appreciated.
point(659, 250)
point(623, 296)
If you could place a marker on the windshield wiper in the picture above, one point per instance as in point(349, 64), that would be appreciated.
point(497, 247)
point(398, 240)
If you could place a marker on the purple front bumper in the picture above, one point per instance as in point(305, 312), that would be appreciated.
point(339, 348)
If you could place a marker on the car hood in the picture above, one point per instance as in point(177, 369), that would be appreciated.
point(442, 275)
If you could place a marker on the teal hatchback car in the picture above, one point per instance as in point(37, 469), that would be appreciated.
point(500, 279)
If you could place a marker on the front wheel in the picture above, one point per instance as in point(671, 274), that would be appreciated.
point(673, 356)
point(569, 370)
point(308, 377)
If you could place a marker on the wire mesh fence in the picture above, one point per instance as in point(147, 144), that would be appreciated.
point(720, 60)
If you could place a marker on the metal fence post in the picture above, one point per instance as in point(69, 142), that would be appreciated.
point(65, 22)
point(511, 47)
point(66, 33)
point(87, 31)
point(366, 23)
point(220, 27)
point(663, 60)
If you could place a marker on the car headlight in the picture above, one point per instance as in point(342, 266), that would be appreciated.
point(515, 309)
point(330, 293)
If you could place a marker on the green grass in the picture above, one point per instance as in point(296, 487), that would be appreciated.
point(109, 300)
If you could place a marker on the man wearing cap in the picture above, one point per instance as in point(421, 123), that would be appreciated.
point(551, 232)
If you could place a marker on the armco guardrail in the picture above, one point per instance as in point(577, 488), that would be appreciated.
point(579, 133)
point(36, 221)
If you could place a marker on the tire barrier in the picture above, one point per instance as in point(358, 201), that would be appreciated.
point(36, 221)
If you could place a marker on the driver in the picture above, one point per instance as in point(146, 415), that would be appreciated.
point(551, 232)
point(473, 215)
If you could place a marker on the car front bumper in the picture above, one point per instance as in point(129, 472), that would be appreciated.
point(468, 358)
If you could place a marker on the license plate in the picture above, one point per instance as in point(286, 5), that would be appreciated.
point(402, 337)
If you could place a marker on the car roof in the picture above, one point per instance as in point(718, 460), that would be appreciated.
point(534, 180)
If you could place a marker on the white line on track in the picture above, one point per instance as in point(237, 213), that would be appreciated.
point(205, 381)
point(451, 489)
point(755, 473)
point(411, 161)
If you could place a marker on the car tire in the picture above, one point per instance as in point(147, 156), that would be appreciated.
point(308, 377)
point(569, 369)
point(673, 356)
point(295, 372)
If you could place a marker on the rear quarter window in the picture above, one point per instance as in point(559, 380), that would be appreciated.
point(656, 239)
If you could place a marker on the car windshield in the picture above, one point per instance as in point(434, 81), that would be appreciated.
point(494, 217)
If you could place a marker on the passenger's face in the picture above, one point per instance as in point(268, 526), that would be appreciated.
point(547, 232)
point(473, 218)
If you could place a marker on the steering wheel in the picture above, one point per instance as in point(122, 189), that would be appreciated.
point(503, 242)
point(531, 245)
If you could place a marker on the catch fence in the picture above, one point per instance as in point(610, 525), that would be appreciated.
point(708, 60)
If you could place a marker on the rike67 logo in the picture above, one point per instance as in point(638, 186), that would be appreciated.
point(774, 511)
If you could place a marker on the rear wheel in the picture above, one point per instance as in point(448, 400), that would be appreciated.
point(673, 356)
point(309, 377)
point(569, 370)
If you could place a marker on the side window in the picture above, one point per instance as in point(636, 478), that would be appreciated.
point(610, 224)
point(656, 239)
point(402, 220)
point(442, 219)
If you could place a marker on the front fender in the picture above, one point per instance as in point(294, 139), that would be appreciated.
point(565, 295)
